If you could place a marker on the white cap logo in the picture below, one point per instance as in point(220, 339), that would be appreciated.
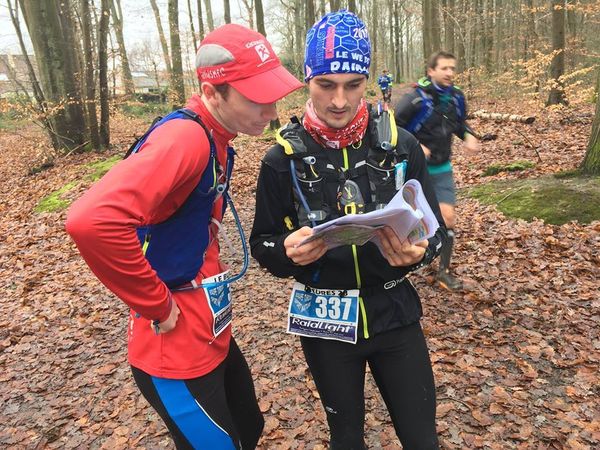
point(263, 52)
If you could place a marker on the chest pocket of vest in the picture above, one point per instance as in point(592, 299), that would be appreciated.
point(382, 183)
point(312, 206)
point(382, 168)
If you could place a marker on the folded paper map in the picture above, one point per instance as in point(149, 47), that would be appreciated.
point(408, 214)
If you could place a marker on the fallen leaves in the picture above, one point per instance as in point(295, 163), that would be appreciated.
point(515, 357)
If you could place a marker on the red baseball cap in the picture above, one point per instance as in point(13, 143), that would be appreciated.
point(244, 59)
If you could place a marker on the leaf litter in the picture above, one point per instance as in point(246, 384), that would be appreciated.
point(515, 355)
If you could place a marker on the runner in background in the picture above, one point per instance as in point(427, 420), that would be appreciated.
point(385, 84)
point(434, 111)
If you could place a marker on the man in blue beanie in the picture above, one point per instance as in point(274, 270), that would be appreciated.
point(353, 304)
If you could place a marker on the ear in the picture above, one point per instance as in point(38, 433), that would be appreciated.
point(209, 92)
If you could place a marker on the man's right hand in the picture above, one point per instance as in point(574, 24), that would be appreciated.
point(169, 324)
point(307, 253)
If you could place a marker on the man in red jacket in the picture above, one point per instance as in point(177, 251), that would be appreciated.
point(182, 355)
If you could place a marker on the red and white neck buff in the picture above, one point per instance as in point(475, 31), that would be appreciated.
point(336, 137)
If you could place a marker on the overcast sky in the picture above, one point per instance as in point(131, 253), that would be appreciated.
point(138, 22)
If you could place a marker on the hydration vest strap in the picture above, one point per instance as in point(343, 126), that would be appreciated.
point(459, 102)
point(287, 147)
point(423, 114)
point(300, 196)
point(393, 128)
point(290, 138)
point(191, 285)
point(155, 239)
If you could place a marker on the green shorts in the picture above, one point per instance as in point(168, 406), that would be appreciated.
point(443, 185)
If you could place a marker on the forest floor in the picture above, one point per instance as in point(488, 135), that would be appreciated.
point(515, 355)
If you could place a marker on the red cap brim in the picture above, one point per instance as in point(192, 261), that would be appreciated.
point(267, 87)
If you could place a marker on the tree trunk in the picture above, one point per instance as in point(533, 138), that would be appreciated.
point(501, 117)
point(260, 17)
point(70, 29)
point(117, 17)
point(488, 27)
point(209, 15)
point(192, 25)
point(35, 85)
point(352, 6)
point(431, 28)
point(391, 51)
point(557, 67)
point(310, 14)
point(397, 43)
point(161, 36)
point(90, 86)
point(322, 9)
point(249, 5)
point(260, 26)
point(530, 35)
point(436, 41)
point(475, 34)
point(409, 41)
point(200, 21)
point(57, 70)
point(38, 95)
point(461, 42)
point(479, 38)
point(498, 40)
point(449, 26)
point(373, 36)
point(227, 11)
point(177, 86)
point(103, 73)
point(299, 36)
point(425, 11)
point(591, 161)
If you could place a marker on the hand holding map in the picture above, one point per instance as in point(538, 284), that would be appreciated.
point(408, 214)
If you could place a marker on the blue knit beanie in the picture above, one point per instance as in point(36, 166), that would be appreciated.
point(338, 43)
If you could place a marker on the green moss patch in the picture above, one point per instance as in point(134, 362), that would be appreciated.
point(554, 200)
point(99, 168)
point(54, 201)
point(514, 166)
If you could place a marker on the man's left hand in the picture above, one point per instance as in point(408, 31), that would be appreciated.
point(471, 144)
point(399, 253)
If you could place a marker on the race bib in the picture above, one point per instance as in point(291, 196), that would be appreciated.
point(219, 301)
point(323, 313)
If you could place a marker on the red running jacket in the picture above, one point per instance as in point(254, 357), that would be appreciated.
point(145, 190)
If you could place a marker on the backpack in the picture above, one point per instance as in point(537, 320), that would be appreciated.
point(426, 108)
point(175, 247)
point(385, 165)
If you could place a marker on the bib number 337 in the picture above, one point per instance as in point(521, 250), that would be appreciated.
point(323, 313)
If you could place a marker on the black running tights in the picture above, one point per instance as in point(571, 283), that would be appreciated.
point(399, 362)
point(217, 411)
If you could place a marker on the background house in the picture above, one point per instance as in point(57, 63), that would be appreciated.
point(14, 77)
